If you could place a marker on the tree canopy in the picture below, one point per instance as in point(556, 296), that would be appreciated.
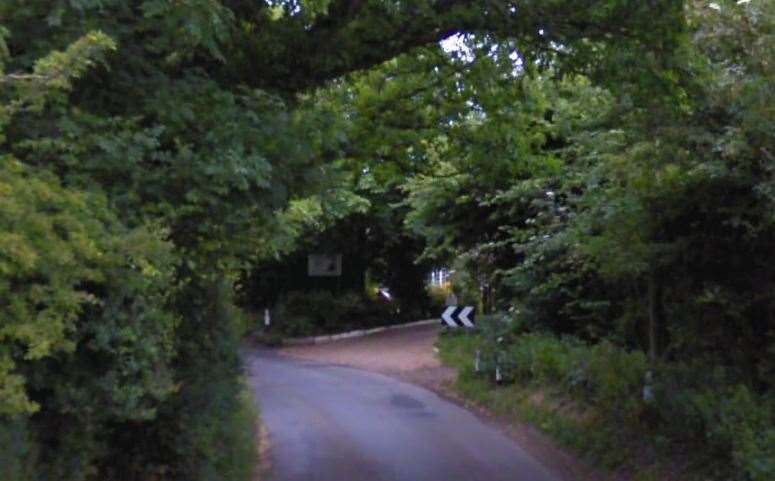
point(595, 168)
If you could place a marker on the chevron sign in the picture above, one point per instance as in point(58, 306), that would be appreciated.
point(457, 316)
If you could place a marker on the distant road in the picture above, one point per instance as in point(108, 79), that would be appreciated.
point(407, 354)
point(334, 423)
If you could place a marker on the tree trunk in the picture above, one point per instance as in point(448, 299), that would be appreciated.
point(655, 315)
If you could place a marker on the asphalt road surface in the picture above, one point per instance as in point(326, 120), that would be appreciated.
point(334, 423)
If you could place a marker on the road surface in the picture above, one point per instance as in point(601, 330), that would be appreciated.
point(407, 354)
point(335, 423)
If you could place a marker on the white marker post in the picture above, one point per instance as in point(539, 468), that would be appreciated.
point(267, 318)
point(648, 387)
point(476, 361)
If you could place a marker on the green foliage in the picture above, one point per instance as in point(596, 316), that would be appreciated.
point(51, 75)
point(63, 253)
point(550, 408)
point(86, 341)
point(739, 422)
point(438, 295)
point(600, 213)
point(598, 169)
point(91, 337)
point(17, 451)
point(727, 428)
point(306, 313)
point(624, 222)
point(602, 374)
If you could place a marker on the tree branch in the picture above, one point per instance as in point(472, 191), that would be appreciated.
point(360, 34)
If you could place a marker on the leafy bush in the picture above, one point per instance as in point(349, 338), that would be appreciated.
point(17, 450)
point(727, 426)
point(438, 295)
point(602, 374)
point(91, 349)
point(740, 424)
point(87, 334)
point(302, 313)
point(52, 241)
point(727, 422)
point(289, 317)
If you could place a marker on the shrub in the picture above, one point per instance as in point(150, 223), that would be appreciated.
point(17, 450)
point(94, 349)
point(608, 376)
point(301, 313)
point(438, 295)
point(736, 425)
point(290, 322)
point(726, 425)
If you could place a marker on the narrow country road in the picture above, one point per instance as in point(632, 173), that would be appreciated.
point(334, 423)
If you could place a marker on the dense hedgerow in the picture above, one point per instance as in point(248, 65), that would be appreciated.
point(301, 313)
point(725, 428)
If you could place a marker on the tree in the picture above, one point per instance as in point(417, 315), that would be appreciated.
point(182, 144)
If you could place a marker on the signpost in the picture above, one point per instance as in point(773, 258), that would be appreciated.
point(458, 316)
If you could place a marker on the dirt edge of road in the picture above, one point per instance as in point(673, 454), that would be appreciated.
point(530, 438)
point(409, 355)
point(263, 452)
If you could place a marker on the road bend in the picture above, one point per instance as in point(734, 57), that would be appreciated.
point(333, 423)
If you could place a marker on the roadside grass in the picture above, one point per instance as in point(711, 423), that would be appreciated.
point(247, 449)
point(578, 427)
point(261, 436)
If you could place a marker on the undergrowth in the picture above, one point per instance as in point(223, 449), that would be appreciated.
point(589, 398)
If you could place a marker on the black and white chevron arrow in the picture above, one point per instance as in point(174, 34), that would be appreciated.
point(458, 316)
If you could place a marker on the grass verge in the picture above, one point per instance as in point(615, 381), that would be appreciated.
point(620, 453)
